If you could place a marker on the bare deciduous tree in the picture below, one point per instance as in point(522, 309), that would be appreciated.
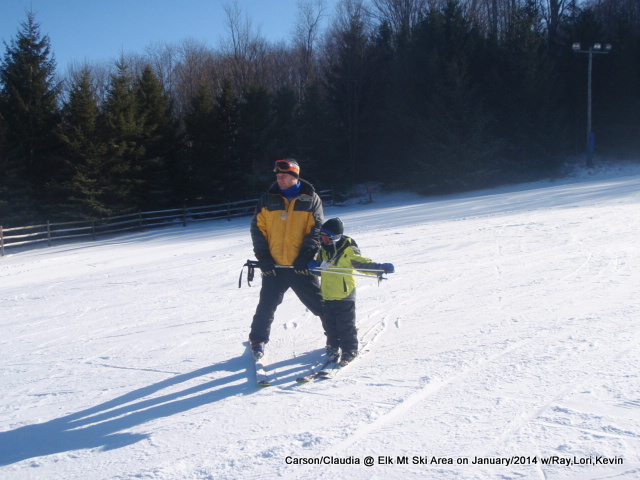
point(306, 33)
point(552, 12)
point(99, 73)
point(163, 58)
point(245, 49)
point(612, 12)
point(191, 71)
point(401, 15)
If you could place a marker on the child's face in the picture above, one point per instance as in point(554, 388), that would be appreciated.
point(329, 239)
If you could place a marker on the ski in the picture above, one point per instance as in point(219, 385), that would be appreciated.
point(262, 377)
point(334, 370)
point(318, 374)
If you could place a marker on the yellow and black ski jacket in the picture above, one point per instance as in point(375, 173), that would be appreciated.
point(346, 255)
point(283, 229)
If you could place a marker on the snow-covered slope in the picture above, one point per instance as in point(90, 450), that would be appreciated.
point(508, 337)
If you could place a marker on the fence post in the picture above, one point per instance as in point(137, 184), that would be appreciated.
point(48, 233)
point(184, 215)
point(140, 219)
point(228, 211)
point(1, 241)
point(93, 230)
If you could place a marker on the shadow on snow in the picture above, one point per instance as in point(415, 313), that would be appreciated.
point(99, 426)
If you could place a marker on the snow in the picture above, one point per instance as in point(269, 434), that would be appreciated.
point(509, 333)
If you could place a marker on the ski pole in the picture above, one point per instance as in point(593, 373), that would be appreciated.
point(317, 270)
point(331, 270)
point(375, 270)
point(252, 264)
point(251, 267)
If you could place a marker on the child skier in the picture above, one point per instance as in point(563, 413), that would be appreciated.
point(339, 287)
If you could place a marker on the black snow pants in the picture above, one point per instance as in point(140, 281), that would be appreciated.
point(306, 287)
point(341, 320)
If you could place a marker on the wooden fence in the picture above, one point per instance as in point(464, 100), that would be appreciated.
point(57, 232)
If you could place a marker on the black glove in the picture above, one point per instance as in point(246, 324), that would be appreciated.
point(301, 265)
point(267, 267)
point(387, 267)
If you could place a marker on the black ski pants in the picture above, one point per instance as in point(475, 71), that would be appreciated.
point(306, 287)
point(341, 320)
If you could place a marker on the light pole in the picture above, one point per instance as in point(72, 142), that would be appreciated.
point(595, 49)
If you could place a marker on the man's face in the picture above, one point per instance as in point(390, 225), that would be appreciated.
point(285, 180)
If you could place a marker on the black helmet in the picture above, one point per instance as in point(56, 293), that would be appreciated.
point(332, 227)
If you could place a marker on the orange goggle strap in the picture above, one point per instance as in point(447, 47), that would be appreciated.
point(286, 166)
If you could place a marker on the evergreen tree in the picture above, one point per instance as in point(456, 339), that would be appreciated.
point(527, 98)
point(255, 131)
point(122, 129)
point(616, 79)
point(453, 145)
point(226, 127)
point(4, 184)
point(284, 129)
point(349, 78)
point(29, 109)
point(202, 178)
point(380, 119)
point(159, 136)
point(83, 149)
point(318, 132)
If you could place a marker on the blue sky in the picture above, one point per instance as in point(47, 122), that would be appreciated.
point(100, 30)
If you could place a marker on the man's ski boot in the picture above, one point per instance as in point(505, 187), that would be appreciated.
point(257, 348)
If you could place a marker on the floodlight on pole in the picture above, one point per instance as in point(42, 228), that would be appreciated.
point(595, 49)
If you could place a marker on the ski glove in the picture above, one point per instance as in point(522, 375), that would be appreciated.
point(387, 267)
point(314, 266)
point(266, 263)
point(267, 267)
point(301, 266)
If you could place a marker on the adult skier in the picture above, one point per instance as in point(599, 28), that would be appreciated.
point(285, 231)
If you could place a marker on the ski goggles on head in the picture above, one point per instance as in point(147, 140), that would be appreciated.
point(285, 166)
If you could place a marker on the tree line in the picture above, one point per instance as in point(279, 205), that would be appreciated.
point(431, 95)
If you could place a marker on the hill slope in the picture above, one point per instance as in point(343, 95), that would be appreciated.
point(509, 334)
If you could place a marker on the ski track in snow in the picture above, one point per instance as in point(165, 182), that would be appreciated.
point(509, 329)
